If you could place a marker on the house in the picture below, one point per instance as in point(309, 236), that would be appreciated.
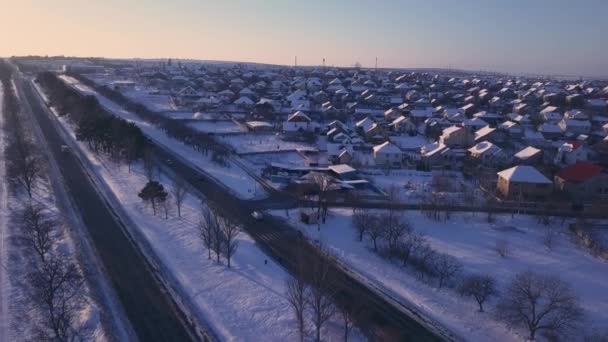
point(298, 122)
point(486, 153)
point(456, 136)
point(402, 125)
point(523, 182)
point(575, 127)
point(529, 156)
point(512, 129)
point(244, 102)
point(582, 181)
point(387, 154)
point(550, 131)
point(571, 152)
point(435, 156)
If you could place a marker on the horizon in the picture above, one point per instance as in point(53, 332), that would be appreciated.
point(401, 34)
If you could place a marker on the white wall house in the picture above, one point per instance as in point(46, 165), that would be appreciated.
point(387, 154)
point(299, 121)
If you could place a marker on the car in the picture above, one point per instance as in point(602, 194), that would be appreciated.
point(169, 162)
point(257, 215)
point(65, 148)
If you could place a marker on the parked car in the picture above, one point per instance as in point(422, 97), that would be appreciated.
point(257, 215)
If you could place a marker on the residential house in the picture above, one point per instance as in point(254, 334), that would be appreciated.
point(387, 154)
point(583, 181)
point(456, 136)
point(523, 182)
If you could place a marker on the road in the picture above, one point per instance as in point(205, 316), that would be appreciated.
point(151, 312)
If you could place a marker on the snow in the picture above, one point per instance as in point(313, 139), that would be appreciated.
point(217, 127)
point(243, 303)
point(233, 176)
point(468, 237)
point(257, 143)
point(524, 174)
point(4, 215)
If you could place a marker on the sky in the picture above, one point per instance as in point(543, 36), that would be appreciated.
point(516, 36)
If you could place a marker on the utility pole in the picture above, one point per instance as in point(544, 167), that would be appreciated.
point(296, 62)
point(376, 65)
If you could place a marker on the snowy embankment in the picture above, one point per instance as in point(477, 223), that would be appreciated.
point(243, 303)
point(22, 318)
point(233, 177)
point(472, 240)
point(4, 282)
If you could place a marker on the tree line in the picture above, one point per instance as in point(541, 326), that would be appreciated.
point(103, 132)
point(202, 142)
point(53, 281)
point(534, 301)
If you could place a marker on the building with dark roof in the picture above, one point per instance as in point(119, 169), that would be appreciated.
point(582, 181)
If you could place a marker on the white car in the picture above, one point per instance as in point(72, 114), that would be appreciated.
point(257, 215)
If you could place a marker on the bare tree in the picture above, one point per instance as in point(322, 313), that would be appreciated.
point(149, 162)
point(25, 163)
point(179, 191)
point(206, 229)
point(362, 219)
point(57, 287)
point(229, 232)
point(166, 205)
point(395, 228)
point(323, 184)
point(408, 246)
point(375, 231)
point(37, 227)
point(424, 259)
point(296, 294)
point(349, 312)
point(540, 303)
point(320, 292)
point(502, 248)
point(445, 267)
point(480, 287)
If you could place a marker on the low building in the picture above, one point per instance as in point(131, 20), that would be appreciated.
point(298, 122)
point(456, 136)
point(529, 156)
point(523, 182)
point(388, 154)
point(582, 181)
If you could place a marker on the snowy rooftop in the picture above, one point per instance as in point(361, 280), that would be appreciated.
point(526, 153)
point(524, 174)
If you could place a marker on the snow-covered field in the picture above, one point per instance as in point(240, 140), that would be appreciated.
point(243, 303)
point(154, 102)
point(233, 177)
point(414, 185)
point(251, 143)
point(217, 127)
point(471, 239)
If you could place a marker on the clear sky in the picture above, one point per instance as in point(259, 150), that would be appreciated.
point(541, 36)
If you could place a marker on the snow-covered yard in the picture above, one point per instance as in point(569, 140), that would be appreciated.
point(471, 239)
point(235, 178)
point(251, 143)
point(414, 185)
point(217, 127)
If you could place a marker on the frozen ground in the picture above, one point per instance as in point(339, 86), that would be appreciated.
point(217, 127)
point(414, 185)
point(4, 282)
point(154, 102)
point(253, 143)
point(243, 303)
point(235, 178)
point(471, 239)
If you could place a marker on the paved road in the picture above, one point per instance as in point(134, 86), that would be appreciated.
point(151, 313)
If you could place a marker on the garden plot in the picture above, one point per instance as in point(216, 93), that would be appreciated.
point(260, 143)
point(472, 240)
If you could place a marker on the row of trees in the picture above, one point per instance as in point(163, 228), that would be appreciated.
point(102, 131)
point(218, 233)
point(532, 301)
point(312, 296)
point(199, 141)
point(24, 158)
point(54, 283)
